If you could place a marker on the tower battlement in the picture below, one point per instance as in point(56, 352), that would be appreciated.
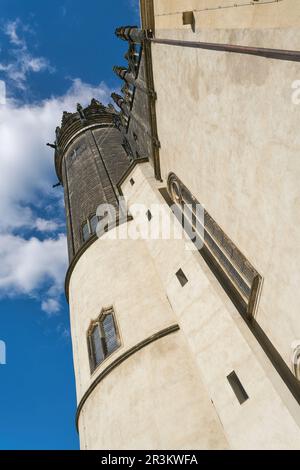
point(72, 124)
point(89, 160)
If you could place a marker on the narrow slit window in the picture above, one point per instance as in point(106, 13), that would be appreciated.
point(188, 18)
point(182, 277)
point(85, 232)
point(237, 387)
point(149, 215)
point(132, 181)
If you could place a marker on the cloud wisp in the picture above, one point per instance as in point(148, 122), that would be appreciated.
point(135, 5)
point(21, 62)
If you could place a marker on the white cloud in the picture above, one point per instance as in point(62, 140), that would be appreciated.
point(43, 225)
point(22, 62)
point(26, 194)
point(29, 265)
point(64, 10)
point(51, 306)
point(2, 92)
point(26, 163)
point(135, 4)
point(10, 29)
point(64, 332)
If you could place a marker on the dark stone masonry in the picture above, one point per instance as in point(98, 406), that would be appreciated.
point(95, 146)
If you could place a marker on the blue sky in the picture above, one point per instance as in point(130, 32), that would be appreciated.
point(52, 55)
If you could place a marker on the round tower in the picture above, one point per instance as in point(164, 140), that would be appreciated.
point(137, 383)
point(89, 161)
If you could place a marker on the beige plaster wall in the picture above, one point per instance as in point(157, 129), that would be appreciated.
point(217, 339)
point(229, 129)
point(129, 408)
point(154, 400)
point(231, 14)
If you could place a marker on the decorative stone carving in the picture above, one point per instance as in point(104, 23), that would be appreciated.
point(95, 102)
point(57, 133)
point(175, 189)
point(65, 116)
point(243, 281)
point(80, 112)
point(131, 33)
point(296, 358)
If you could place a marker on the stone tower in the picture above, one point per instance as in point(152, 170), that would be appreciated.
point(192, 348)
point(135, 378)
point(89, 161)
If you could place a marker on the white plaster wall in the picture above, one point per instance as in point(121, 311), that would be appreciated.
point(153, 400)
point(229, 129)
point(270, 418)
point(211, 15)
point(129, 409)
point(112, 272)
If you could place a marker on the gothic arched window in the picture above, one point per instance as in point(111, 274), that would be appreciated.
point(89, 227)
point(103, 338)
point(93, 223)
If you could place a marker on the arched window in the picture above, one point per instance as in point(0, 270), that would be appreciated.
point(89, 227)
point(76, 151)
point(103, 338)
point(93, 223)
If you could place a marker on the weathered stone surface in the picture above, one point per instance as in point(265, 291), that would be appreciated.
point(91, 160)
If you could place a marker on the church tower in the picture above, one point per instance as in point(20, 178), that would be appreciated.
point(135, 377)
point(178, 345)
point(88, 170)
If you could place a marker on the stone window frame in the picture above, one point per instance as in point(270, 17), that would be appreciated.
point(290, 375)
point(88, 223)
point(82, 227)
point(76, 150)
point(296, 361)
point(238, 277)
point(99, 322)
